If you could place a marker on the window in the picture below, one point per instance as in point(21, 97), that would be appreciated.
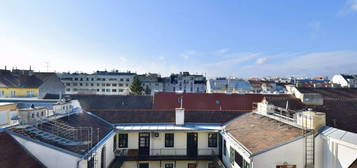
point(212, 139)
point(238, 158)
point(114, 90)
point(143, 165)
point(191, 165)
point(123, 140)
point(68, 89)
point(224, 148)
point(32, 115)
point(102, 158)
point(121, 85)
point(115, 142)
point(13, 93)
point(90, 163)
point(231, 155)
point(169, 140)
point(169, 165)
point(114, 84)
point(211, 165)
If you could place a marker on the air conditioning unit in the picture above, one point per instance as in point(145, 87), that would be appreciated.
point(155, 134)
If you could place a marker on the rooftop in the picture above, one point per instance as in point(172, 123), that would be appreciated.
point(332, 93)
point(13, 155)
point(166, 116)
point(208, 101)
point(258, 133)
point(76, 133)
point(104, 102)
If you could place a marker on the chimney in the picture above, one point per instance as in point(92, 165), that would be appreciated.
point(180, 116)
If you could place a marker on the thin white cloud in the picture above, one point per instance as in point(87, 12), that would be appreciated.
point(261, 60)
point(189, 54)
point(311, 64)
point(349, 7)
point(222, 51)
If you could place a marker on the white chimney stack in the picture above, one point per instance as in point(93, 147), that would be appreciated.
point(180, 116)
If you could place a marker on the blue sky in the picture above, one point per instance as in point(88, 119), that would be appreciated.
point(241, 38)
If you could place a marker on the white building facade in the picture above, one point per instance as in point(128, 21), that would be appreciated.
point(101, 83)
point(185, 82)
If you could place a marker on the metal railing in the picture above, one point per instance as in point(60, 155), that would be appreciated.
point(168, 152)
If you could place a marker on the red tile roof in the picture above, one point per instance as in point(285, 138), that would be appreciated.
point(13, 155)
point(205, 101)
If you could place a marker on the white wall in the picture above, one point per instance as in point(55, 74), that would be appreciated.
point(56, 159)
point(156, 164)
point(338, 79)
point(291, 153)
point(334, 153)
point(47, 156)
point(180, 143)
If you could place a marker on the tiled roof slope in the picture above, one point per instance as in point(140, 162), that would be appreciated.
point(82, 120)
point(258, 133)
point(13, 155)
point(11, 80)
point(328, 93)
point(340, 113)
point(205, 101)
point(166, 116)
point(103, 102)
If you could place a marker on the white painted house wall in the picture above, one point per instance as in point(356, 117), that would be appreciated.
point(291, 153)
point(49, 157)
point(180, 143)
point(56, 159)
point(334, 153)
point(339, 79)
point(156, 164)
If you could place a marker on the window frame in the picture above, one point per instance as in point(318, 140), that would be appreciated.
point(123, 141)
point(212, 139)
point(169, 140)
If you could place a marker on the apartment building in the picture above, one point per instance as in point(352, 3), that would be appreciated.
point(185, 82)
point(228, 85)
point(167, 138)
point(8, 112)
point(152, 83)
point(100, 82)
point(345, 80)
point(27, 83)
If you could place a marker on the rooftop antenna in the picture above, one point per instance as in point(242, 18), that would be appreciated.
point(47, 65)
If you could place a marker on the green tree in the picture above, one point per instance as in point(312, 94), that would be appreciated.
point(135, 87)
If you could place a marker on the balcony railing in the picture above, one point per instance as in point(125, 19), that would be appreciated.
point(167, 153)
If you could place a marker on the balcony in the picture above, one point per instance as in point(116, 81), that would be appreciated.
point(166, 154)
